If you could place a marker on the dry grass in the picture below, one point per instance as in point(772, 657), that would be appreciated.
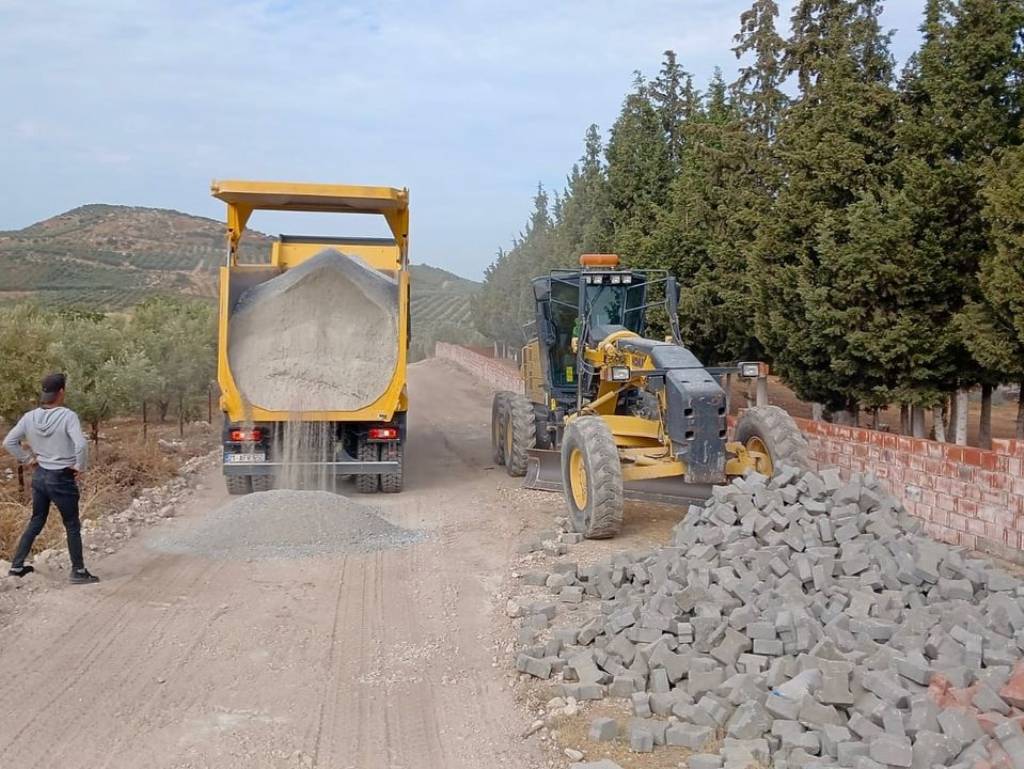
point(572, 733)
point(124, 465)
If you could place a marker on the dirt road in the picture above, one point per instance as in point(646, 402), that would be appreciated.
point(357, 661)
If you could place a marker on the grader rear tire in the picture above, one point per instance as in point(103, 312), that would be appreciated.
point(392, 483)
point(367, 452)
point(520, 434)
point(592, 478)
point(262, 482)
point(770, 431)
point(499, 407)
point(238, 484)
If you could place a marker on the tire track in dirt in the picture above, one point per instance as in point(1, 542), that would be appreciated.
point(344, 660)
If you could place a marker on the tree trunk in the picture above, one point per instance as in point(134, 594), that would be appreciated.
point(163, 407)
point(962, 407)
point(875, 411)
point(939, 423)
point(145, 422)
point(917, 421)
point(209, 403)
point(817, 411)
point(985, 423)
point(951, 417)
point(1019, 433)
point(181, 418)
point(94, 433)
point(904, 419)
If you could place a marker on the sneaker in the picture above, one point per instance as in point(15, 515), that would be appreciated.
point(20, 572)
point(82, 577)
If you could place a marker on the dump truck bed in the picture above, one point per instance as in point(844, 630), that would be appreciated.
point(346, 294)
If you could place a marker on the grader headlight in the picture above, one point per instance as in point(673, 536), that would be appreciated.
point(620, 373)
point(753, 369)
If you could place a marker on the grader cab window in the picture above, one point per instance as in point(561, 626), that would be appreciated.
point(609, 304)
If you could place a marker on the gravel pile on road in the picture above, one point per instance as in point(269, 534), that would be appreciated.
point(285, 523)
point(800, 621)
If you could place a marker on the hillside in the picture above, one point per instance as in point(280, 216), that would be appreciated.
point(112, 257)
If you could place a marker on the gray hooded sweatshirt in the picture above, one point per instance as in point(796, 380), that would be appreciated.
point(55, 436)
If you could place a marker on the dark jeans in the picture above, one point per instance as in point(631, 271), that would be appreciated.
point(59, 487)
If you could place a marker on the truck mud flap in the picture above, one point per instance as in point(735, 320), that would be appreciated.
point(544, 473)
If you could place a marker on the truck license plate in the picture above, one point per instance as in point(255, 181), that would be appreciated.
point(243, 459)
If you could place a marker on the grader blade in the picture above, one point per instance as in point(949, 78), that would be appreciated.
point(543, 470)
point(544, 473)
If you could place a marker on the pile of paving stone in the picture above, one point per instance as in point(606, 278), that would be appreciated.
point(801, 621)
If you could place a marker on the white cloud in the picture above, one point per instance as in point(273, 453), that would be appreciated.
point(469, 103)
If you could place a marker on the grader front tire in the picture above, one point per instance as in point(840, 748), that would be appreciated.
point(592, 478)
point(520, 434)
point(770, 431)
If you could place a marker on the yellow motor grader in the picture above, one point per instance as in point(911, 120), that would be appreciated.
point(608, 415)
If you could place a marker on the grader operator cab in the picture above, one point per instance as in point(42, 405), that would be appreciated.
point(608, 414)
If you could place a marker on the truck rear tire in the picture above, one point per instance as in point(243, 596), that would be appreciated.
point(367, 452)
point(262, 482)
point(238, 484)
point(391, 483)
point(770, 431)
point(499, 407)
point(592, 477)
point(520, 434)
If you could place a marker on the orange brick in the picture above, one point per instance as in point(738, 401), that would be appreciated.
point(972, 457)
point(957, 522)
point(988, 460)
point(967, 507)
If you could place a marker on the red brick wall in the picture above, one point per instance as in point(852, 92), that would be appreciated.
point(502, 375)
point(966, 496)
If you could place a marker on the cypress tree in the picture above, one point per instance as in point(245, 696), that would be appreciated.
point(961, 96)
point(820, 256)
point(759, 86)
point(639, 172)
point(993, 326)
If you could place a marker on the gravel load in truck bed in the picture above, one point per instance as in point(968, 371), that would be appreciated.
point(285, 523)
point(802, 621)
point(322, 336)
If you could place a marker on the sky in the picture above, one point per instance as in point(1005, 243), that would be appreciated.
point(469, 104)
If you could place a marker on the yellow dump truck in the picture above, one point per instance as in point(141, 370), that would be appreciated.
point(313, 344)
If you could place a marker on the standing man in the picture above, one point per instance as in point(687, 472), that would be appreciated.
point(58, 455)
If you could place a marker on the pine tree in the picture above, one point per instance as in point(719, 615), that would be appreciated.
point(703, 233)
point(816, 266)
point(759, 86)
point(584, 225)
point(993, 327)
point(639, 172)
point(676, 102)
point(962, 100)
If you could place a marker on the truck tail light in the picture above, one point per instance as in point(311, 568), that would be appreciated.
point(383, 433)
point(245, 436)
